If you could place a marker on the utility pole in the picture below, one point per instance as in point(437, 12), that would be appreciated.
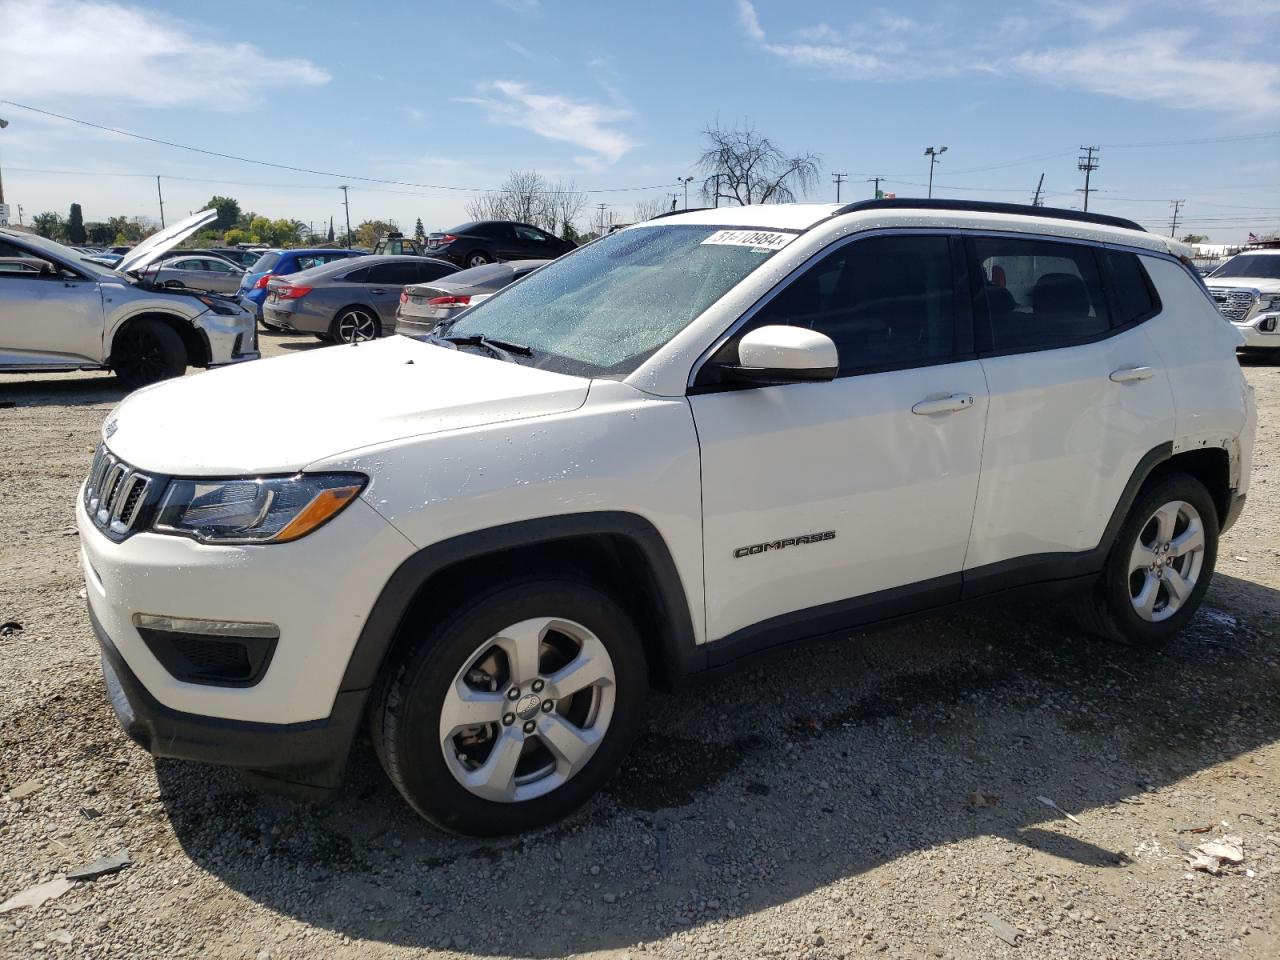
point(4, 123)
point(876, 180)
point(19, 214)
point(838, 178)
point(1035, 201)
point(685, 181)
point(347, 207)
point(161, 196)
point(1177, 206)
point(1088, 163)
point(933, 156)
point(602, 207)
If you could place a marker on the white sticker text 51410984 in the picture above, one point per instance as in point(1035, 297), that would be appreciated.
point(768, 239)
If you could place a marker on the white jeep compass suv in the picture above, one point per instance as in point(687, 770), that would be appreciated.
point(702, 436)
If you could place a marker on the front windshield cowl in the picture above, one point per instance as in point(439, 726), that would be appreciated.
point(605, 308)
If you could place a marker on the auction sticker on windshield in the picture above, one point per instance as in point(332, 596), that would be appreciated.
point(765, 239)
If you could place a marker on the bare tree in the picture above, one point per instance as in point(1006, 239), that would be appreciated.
point(564, 202)
point(527, 196)
point(741, 166)
point(650, 208)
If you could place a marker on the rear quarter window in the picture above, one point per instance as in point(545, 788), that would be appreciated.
point(1133, 296)
point(265, 263)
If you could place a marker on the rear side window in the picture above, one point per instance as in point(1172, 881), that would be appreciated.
point(1132, 294)
point(265, 263)
point(886, 302)
point(1037, 294)
point(402, 272)
point(426, 272)
point(357, 276)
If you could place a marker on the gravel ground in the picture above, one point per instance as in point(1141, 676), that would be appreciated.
point(867, 798)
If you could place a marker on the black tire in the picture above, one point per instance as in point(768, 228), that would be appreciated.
point(476, 258)
point(148, 351)
point(1109, 610)
point(407, 705)
point(353, 317)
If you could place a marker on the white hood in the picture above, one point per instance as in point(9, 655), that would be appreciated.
point(1261, 284)
point(278, 415)
point(158, 244)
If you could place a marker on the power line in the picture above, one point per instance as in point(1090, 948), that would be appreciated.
point(296, 169)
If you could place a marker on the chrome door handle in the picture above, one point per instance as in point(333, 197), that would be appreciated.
point(1128, 374)
point(957, 401)
point(377, 290)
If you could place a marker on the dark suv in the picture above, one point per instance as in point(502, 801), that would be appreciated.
point(486, 241)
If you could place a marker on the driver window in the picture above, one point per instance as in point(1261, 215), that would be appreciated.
point(887, 302)
point(528, 233)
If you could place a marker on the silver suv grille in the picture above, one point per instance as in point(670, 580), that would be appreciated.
point(116, 495)
point(1234, 303)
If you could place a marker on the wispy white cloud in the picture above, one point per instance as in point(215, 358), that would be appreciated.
point(1158, 66)
point(97, 48)
point(591, 126)
point(750, 21)
point(1079, 46)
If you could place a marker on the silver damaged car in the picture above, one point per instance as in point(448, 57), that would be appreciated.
point(67, 313)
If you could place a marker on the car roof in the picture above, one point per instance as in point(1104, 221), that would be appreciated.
point(801, 217)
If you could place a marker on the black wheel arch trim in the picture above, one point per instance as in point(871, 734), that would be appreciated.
point(680, 651)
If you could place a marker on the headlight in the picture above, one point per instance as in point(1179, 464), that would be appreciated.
point(255, 510)
point(1269, 302)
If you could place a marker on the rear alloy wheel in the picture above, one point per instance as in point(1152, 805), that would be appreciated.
point(478, 259)
point(1161, 564)
point(148, 351)
point(355, 324)
point(516, 710)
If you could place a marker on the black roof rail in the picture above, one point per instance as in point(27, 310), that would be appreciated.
point(987, 206)
point(672, 213)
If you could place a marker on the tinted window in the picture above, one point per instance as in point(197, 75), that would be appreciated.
point(265, 262)
point(394, 273)
point(356, 276)
point(1265, 265)
point(217, 266)
point(885, 301)
point(530, 233)
point(1036, 294)
point(1131, 292)
point(426, 272)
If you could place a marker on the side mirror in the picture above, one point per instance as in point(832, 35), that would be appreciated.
point(781, 354)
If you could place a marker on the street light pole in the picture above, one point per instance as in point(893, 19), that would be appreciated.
point(933, 156)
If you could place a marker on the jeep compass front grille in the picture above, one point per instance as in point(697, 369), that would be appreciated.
point(116, 496)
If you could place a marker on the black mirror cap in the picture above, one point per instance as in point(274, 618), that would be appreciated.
point(723, 376)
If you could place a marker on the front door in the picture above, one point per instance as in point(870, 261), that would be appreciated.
point(826, 502)
point(49, 319)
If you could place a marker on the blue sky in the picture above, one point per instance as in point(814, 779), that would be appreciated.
point(614, 96)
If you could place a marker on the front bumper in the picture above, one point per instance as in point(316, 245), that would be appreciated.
point(1255, 338)
point(230, 338)
point(311, 754)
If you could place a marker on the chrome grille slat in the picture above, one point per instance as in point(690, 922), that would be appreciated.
point(115, 494)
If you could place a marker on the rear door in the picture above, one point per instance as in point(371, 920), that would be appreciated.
point(219, 276)
point(534, 244)
point(1078, 397)
point(830, 502)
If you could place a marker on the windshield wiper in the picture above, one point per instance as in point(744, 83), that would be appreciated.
point(497, 347)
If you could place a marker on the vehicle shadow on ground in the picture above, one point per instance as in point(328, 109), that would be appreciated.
point(65, 391)
point(813, 768)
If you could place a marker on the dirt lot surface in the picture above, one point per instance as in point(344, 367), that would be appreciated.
point(869, 798)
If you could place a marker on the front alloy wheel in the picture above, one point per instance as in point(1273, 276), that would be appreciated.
point(528, 710)
point(510, 709)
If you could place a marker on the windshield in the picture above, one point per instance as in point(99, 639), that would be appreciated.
point(1250, 265)
point(605, 308)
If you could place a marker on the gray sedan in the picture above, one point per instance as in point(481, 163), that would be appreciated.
point(196, 273)
point(423, 307)
point(347, 300)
